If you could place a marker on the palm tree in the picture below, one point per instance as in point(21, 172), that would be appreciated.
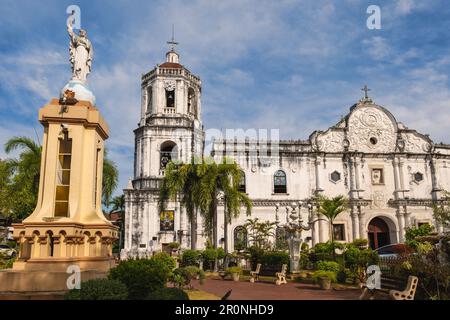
point(331, 208)
point(260, 232)
point(29, 162)
point(110, 180)
point(222, 180)
point(182, 183)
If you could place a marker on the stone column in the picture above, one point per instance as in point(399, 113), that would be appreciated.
point(362, 224)
point(317, 173)
point(357, 185)
point(314, 229)
point(404, 181)
point(323, 229)
point(396, 178)
point(401, 225)
point(355, 223)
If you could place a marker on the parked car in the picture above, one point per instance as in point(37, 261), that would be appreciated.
point(394, 250)
point(7, 251)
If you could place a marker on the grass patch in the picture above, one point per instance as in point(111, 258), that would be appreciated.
point(201, 295)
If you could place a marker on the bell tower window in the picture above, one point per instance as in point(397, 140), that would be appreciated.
point(170, 98)
point(168, 152)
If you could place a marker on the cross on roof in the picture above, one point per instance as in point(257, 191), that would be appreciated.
point(172, 42)
point(366, 90)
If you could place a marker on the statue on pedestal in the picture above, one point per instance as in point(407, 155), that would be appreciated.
point(81, 53)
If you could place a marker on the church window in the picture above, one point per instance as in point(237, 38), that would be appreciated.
point(63, 176)
point(339, 231)
point(280, 182)
point(240, 238)
point(241, 186)
point(170, 98)
point(418, 177)
point(168, 153)
point(335, 176)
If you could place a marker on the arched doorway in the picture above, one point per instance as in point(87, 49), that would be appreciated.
point(378, 233)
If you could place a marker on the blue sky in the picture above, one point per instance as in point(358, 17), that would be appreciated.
point(291, 65)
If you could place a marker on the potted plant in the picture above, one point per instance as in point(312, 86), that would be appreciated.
point(324, 278)
point(235, 272)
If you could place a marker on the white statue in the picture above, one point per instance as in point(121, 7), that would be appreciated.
point(81, 53)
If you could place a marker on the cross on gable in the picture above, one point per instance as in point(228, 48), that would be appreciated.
point(366, 90)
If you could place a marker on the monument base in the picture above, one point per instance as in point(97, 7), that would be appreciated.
point(17, 284)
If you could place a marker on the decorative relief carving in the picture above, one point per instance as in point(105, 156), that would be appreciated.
point(415, 143)
point(330, 141)
point(371, 130)
point(169, 85)
point(378, 199)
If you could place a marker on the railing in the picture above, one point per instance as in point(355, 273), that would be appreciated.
point(169, 110)
point(147, 183)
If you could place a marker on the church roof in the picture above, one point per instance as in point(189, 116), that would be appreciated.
point(172, 65)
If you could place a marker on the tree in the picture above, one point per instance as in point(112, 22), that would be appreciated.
point(331, 208)
point(260, 232)
point(222, 180)
point(198, 186)
point(182, 182)
point(118, 204)
point(442, 214)
point(110, 180)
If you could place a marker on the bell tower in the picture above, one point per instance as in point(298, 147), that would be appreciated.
point(170, 129)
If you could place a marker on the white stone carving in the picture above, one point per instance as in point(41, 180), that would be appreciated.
point(414, 143)
point(169, 85)
point(371, 130)
point(378, 199)
point(330, 141)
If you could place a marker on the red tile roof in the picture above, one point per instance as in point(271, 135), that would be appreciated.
point(171, 65)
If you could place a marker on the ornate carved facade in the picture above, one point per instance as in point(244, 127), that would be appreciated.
point(388, 171)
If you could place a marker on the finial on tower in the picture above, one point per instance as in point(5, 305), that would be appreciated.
point(172, 42)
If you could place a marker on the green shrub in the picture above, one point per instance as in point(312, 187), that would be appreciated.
point(274, 259)
point(220, 253)
point(183, 276)
point(99, 289)
point(163, 260)
point(209, 256)
point(168, 294)
point(317, 275)
point(341, 276)
point(190, 258)
point(412, 233)
point(360, 243)
point(233, 270)
point(328, 266)
point(358, 260)
point(140, 277)
point(173, 245)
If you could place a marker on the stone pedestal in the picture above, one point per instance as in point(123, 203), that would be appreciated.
point(67, 227)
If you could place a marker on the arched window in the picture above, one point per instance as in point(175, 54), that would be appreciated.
point(240, 238)
point(241, 187)
point(279, 182)
point(170, 98)
point(168, 153)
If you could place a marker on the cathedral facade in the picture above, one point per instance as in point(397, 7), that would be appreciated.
point(391, 174)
